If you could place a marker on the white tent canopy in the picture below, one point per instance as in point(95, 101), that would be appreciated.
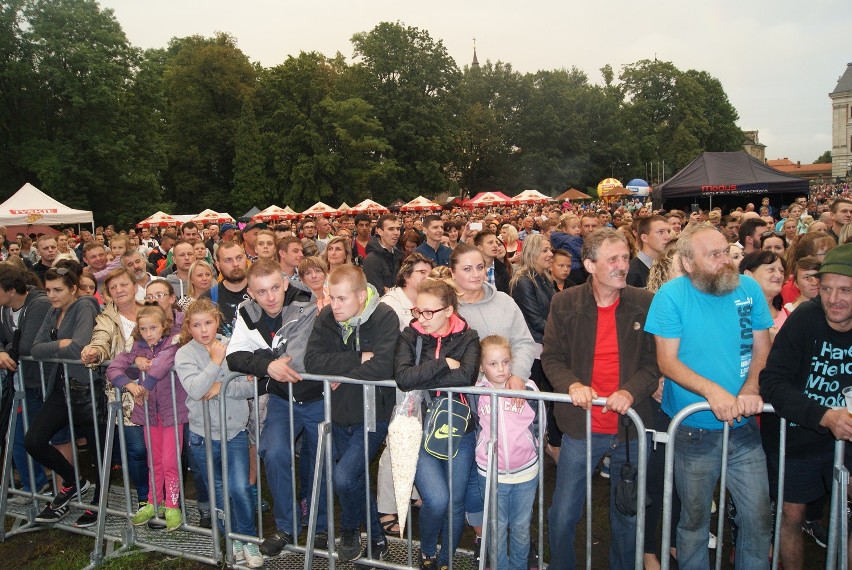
point(29, 205)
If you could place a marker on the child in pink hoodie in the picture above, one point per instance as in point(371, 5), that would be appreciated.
point(517, 454)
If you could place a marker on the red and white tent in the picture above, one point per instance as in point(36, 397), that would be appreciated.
point(274, 213)
point(209, 216)
point(321, 209)
point(531, 197)
point(486, 199)
point(368, 206)
point(419, 204)
point(29, 205)
point(160, 220)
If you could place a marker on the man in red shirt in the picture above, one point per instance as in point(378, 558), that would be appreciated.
point(595, 347)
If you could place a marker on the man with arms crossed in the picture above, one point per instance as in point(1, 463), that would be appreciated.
point(712, 332)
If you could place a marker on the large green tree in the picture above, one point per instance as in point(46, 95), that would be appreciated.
point(409, 78)
point(205, 82)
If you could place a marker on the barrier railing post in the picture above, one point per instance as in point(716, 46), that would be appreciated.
point(779, 503)
point(489, 538)
point(129, 537)
point(106, 461)
point(589, 489)
point(211, 474)
point(7, 459)
point(837, 530)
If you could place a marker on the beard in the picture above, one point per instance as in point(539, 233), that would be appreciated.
point(234, 276)
point(717, 283)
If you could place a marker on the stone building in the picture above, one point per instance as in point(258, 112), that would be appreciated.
point(753, 146)
point(841, 125)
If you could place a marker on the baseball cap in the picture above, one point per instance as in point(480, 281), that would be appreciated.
point(252, 225)
point(227, 226)
point(838, 260)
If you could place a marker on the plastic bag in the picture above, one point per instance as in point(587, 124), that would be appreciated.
point(405, 435)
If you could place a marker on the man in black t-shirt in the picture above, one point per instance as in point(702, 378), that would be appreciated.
point(232, 263)
point(805, 374)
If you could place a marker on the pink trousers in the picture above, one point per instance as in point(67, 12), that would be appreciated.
point(164, 456)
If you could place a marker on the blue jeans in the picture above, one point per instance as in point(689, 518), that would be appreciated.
point(569, 499)
point(697, 465)
point(239, 490)
point(19, 454)
point(277, 457)
point(432, 480)
point(137, 459)
point(349, 475)
point(514, 511)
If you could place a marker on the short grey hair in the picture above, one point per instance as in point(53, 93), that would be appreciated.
point(593, 242)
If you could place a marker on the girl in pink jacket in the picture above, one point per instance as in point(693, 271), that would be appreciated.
point(517, 454)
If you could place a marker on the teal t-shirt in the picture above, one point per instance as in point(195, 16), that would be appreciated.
point(715, 335)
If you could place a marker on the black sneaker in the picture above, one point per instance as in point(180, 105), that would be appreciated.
point(532, 557)
point(350, 546)
point(87, 519)
point(273, 545)
point(477, 550)
point(60, 505)
point(817, 531)
point(380, 549)
point(428, 562)
point(204, 520)
point(321, 541)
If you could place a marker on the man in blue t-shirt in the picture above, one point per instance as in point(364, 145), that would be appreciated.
point(712, 333)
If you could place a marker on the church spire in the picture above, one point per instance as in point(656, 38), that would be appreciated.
point(475, 62)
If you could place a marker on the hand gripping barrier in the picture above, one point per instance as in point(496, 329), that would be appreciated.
point(836, 556)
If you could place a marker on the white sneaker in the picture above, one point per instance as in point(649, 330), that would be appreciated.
point(238, 551)
point(252, 555)
point(711, 544)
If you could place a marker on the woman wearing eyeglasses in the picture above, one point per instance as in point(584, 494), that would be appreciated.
point(439, 350)
point(66, 329)
point(162, 293)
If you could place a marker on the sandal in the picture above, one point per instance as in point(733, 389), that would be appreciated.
point(390, 523)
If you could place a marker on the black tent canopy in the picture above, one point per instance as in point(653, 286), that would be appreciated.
point(727, 174)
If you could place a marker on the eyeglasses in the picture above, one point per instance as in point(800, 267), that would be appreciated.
point(765, 235)
point(427, 313)
point(156, 296)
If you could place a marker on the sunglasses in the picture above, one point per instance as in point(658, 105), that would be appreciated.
point(427, 313)
point(765, 235)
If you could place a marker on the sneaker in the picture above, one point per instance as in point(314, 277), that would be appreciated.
point(143, 515)
point(87, 519)
point(532, 557)
point(60, 505)
point(380, 550)
point(204, 519)
point(350, 546)
point(174, 519)
point(321, 541)
point(711, 542)
point(605, 467)
point(477, 550)
point(816, 530)
point(237, 548)
point(252, 555)
point(273, 545)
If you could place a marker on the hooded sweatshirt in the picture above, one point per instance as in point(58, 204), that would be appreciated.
point(335, 349)
point(497, 313)
point(30, 317)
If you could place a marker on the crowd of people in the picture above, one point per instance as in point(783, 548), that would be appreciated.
point(649, 309)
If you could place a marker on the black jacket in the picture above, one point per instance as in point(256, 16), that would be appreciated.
point(328, 353)
point(32, 316)
point(433, 372)
point(807, 369)
point(501, 276)
point(533, 296)
point(637, 273)
point(381, 266)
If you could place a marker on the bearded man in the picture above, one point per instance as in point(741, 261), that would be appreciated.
point(712, 333)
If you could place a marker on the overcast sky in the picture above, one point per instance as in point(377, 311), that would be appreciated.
point(776, 59)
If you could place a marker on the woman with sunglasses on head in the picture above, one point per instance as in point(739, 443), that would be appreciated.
point(111, 337)
point(439, 350)
point(66, 329)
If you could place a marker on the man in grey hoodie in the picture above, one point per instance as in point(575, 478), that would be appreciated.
point(22, 313)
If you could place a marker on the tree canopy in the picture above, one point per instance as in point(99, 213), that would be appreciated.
point(103, 125)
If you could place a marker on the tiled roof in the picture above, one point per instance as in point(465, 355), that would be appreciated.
point(844, 84)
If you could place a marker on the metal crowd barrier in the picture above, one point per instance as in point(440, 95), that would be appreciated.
point(203, 545)
point(838, 532)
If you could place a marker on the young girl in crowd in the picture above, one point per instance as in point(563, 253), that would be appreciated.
point(154, 353)
point(439, 350)
point(200, 364)
point(517, 454)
